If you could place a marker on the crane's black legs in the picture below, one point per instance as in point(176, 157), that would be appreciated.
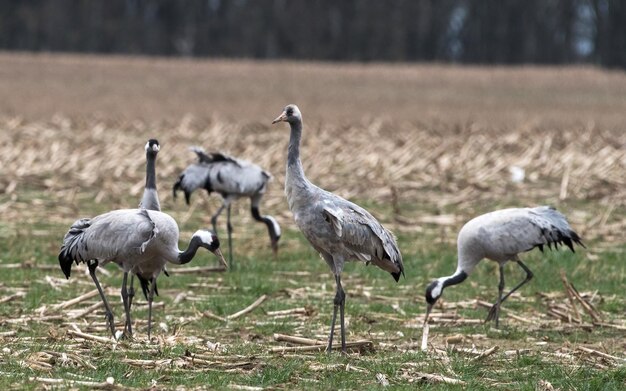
point(343, 323)
point(215, 216)
point(225, 204)
point(128, 326)
point(332, 328)
point(500, 290)
point(92, 265)
point(339, 303)
point(493, 312)
point(150, 299)
point(529, 276)
point(229, 227)
point(131, 291)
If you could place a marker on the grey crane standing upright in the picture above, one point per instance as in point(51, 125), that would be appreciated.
point(232, 178)
point(149, 200)
point(338, 229)
point(138, 240)
point(501, 236)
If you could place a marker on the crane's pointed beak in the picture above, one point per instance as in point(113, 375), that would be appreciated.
point(218, 252)
point(428, 309)
point(280, 118)
point(425, 329)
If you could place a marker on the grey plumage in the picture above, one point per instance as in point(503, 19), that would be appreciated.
point(338, 229)
point(232, 178)
point(501, 236)
point(137, 240)
point(223, 174)
point(121, 236)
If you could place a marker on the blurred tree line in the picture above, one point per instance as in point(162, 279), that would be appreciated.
point(461, 31)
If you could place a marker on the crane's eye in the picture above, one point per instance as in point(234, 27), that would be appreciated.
point(289, 113)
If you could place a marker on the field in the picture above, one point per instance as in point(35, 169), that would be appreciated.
point(424, 148)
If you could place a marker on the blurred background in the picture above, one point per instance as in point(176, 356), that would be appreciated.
point(455, 31)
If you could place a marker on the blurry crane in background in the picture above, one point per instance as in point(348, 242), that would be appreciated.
point(336, 228)
point(501, 236)
point(139, 241)
point(231, 178)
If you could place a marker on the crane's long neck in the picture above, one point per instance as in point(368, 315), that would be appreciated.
point(271, 223)
point(297, 187)
point(150, 171)
point(295, 172)
point(458, 277)
point(187, 255)
point(150, 199)
point(435, 289)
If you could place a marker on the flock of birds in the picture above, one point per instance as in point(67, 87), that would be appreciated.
point(142, 241)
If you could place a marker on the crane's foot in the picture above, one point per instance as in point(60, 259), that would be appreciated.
point(127, 335)
point(128, 330)
point(329, 350)
point(493, 315)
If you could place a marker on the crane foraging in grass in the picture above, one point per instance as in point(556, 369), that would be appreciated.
point(338, 229)
point(140, 241)
point(232, 179)
point(501, 236)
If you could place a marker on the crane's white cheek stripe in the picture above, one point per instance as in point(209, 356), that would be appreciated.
point(275, 224)
point(436, 292)
point(205, 236)
point(147, 146)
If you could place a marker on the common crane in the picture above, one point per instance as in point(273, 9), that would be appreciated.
point(149, 200)
point(232, 178)
point(501, 236)
point(138, 240)
point(338, 229)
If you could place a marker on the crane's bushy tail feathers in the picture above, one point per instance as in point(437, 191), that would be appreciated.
point(179, 186)
point(145, 286)
point(574, 236)
point(70, 251)
point(212, 157)
point(559, 237)
point(398, 263)
point(203, 157)
point(220, 157)
point(556, 229)
point(65, 261)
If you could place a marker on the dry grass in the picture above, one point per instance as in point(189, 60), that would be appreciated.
point(411, 168)
point(424, 147)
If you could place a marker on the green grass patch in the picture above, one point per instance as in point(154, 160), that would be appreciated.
point(378, 309)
